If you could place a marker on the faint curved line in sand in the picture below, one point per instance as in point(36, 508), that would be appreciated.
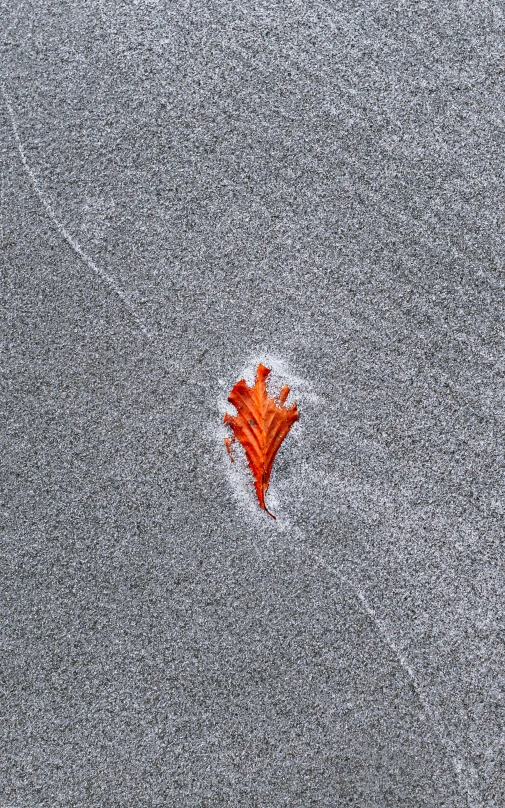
point(46, 204)
point(459, 766)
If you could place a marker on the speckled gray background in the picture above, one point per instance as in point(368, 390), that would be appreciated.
point(186, 186)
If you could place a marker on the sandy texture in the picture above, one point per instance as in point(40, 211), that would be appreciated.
point(188, 188)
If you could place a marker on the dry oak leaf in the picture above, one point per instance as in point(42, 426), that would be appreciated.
point(260, 426)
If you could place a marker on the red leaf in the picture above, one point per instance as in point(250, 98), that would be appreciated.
point(260, 426)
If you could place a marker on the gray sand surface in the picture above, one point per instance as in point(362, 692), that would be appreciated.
point(187, 188)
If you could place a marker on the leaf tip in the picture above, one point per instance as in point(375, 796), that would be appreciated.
point(228, 442)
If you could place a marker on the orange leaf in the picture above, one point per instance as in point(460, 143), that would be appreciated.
point(260, 426)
